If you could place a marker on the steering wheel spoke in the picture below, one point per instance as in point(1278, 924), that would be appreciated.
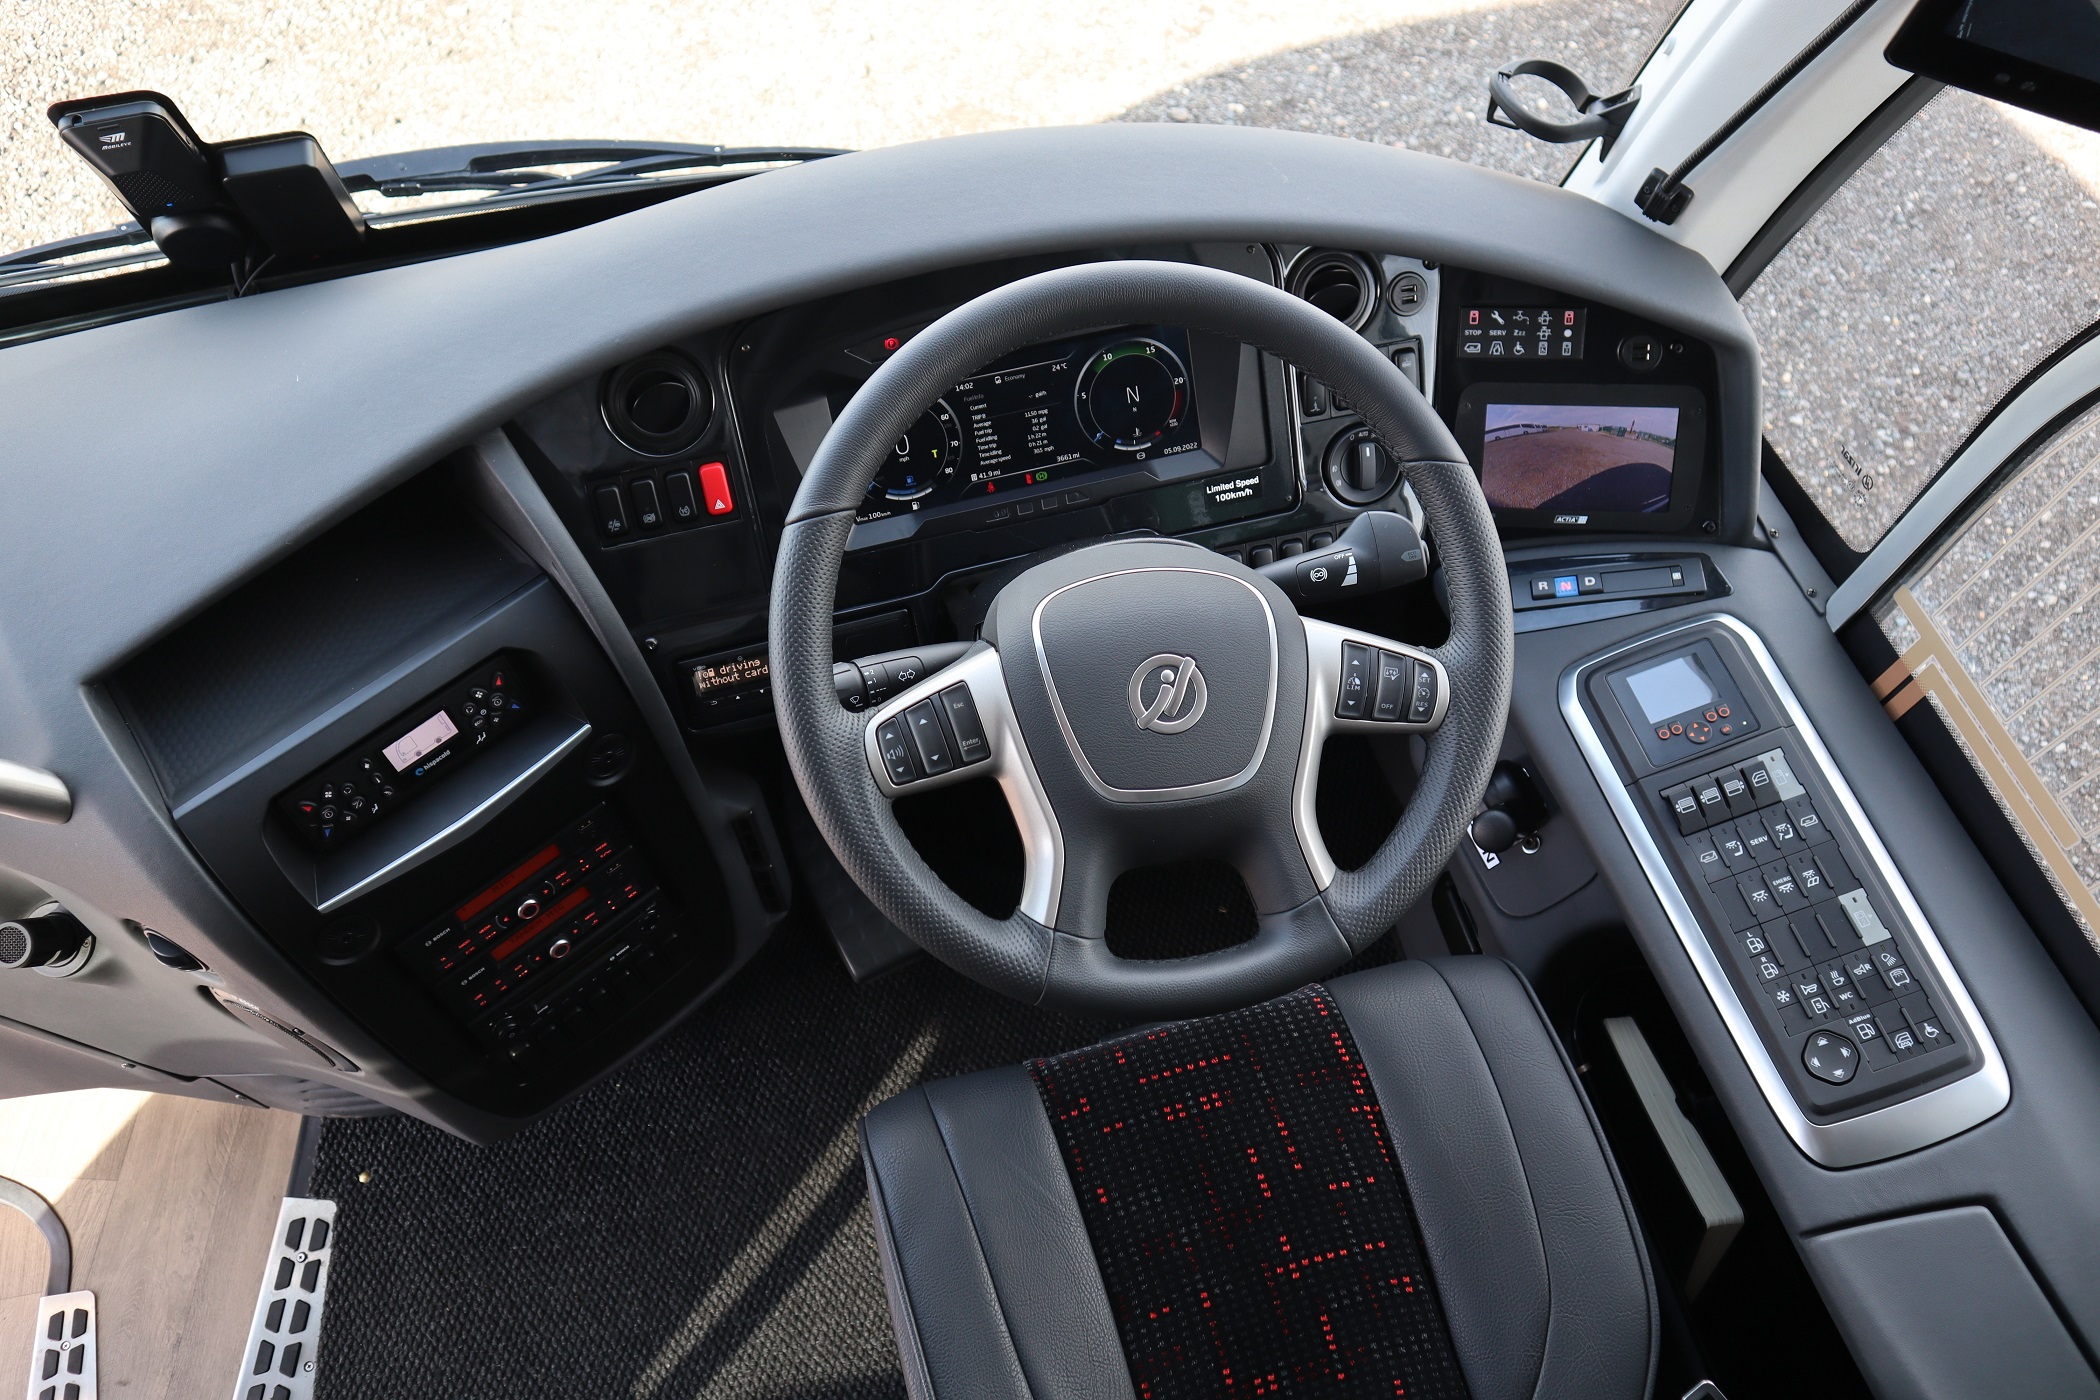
point(956, 725)
point(1358, 682)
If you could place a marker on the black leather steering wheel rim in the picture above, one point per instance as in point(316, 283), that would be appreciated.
point(826, 745)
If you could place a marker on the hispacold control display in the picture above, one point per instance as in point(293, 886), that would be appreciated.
point(1043, 414)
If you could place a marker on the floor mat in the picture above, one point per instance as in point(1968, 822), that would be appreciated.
point(696, 1225)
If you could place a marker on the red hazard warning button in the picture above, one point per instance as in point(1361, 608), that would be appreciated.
point(714, 489)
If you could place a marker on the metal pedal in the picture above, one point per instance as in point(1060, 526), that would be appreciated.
point(284, 1342)
point(63, 1365)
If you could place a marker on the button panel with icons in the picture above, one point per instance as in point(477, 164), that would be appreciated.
point(1788, 910)
point(1384, 686)
point(520, 957)
point(664, 499)
point(1837, 987)
point(366, 786)
point(1801, 918)
point(1521, 332)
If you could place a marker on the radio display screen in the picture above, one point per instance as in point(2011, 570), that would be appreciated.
point(425, 739)
point(1605, 456)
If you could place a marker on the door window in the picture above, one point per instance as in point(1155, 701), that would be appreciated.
point(1998, 629)
point(1960, 256)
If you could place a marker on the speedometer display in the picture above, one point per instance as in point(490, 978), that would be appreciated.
point(921, 461)
point(1044, 414)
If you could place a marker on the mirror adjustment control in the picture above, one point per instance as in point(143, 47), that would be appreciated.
point(1359, 674)
point(896, 752)
point(1830, 1057)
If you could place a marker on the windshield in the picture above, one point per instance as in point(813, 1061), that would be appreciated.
point(372, 77)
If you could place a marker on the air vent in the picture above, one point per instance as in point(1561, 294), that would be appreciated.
point(659, 405)
point(1340, 284)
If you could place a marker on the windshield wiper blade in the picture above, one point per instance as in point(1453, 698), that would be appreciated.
point(124, 235)
point(520, 165)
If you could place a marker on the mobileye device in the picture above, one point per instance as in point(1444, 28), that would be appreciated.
point(205, 205)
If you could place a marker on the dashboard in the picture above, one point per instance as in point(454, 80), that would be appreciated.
point(1587, 419)
point(330, 517)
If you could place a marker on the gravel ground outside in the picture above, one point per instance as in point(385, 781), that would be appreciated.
point(371, 76)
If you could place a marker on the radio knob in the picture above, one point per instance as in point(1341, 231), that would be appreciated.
point(559, 948)
point(528, 908)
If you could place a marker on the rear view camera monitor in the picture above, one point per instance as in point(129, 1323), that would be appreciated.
point(1579, 456)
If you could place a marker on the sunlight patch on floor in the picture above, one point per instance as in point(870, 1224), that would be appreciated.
point(832, 1172)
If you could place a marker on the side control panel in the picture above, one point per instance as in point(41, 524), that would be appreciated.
point(1834, 978)
point(1803, 930)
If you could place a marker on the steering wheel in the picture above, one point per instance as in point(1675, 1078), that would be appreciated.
point(1144, 701)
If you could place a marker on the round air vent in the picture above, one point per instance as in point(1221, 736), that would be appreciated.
point(1340, 284)
point(659, 405)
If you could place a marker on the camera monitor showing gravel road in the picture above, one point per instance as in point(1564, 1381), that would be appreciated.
point(1594, 459)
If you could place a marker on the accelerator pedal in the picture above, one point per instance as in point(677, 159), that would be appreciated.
point(284, 1342)
point(63, 1365)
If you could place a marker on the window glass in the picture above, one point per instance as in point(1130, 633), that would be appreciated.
point(2000, 631)
point(1957, 258)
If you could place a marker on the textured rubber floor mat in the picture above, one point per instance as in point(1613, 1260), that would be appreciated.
point(695, 1225)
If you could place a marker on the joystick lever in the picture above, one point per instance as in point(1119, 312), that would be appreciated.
point(1516, 807)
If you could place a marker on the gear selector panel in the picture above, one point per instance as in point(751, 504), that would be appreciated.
point(1764, 858)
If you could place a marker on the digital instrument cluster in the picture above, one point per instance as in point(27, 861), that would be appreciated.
point(1046, 413)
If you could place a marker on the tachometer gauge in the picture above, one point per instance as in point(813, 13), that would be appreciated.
point(927, 455)
point(1132, 394)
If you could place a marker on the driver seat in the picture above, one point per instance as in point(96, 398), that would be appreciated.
point(1387, 1185)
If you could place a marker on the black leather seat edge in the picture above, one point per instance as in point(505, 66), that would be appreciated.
point(1530, 1238)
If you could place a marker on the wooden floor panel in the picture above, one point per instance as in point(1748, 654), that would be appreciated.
point(170, 1203)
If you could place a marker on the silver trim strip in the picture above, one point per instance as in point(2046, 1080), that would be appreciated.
point(1323, 682)
point(1172, 794)
point(1870, 1137)
point(34, 795)
point(461, 827)
point(1042, 842)
point(2069, 380)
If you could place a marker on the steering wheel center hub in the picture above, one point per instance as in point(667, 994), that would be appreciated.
point(1163, 679)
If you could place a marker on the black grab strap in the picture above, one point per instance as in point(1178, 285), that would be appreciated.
point(1246, 1209)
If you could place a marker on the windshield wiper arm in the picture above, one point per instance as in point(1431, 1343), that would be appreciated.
point(520, 165)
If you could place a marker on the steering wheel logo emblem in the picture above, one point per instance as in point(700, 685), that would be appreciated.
point(1168, 694)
